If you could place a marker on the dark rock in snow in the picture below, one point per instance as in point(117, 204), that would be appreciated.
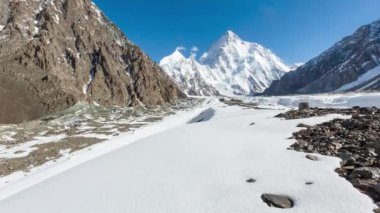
point(366, 173)
point(278, 201)
point(314, 112)
point(303, 125)
point(251, 180)
point(312, 157)
point(347, 160)
point(303, 106)
point(356, 141)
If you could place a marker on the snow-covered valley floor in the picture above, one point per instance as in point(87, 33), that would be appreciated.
point(194, 167)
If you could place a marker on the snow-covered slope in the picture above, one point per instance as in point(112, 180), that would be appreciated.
point(364, 81)
point(231, 65)
point(198, 167)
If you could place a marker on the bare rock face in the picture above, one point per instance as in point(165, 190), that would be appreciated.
point(54, 53)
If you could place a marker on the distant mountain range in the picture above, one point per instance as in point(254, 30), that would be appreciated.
point(353, 64)
point(54, 54)
point(230, 67)
point(236, 67)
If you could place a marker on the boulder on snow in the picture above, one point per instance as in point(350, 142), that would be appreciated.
point(303, 106)
point(366, 173)
point(251, 180)
point(347, 160)
point(278, 201)
point(312, 157)
point(301, 125)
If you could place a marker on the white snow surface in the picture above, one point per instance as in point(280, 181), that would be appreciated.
point(370, 74)
point(231, 65)
point(177, 166)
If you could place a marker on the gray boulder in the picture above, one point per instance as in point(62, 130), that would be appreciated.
point(278, 201)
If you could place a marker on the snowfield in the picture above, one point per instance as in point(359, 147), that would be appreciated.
point(197, 162)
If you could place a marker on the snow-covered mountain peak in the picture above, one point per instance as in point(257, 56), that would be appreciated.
point(247, 67)
point(231, 65)
point(227, 43)
point(231, 46)
point(174, 58)
point(230, 36)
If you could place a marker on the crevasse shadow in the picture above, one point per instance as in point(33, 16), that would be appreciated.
point(204, 116)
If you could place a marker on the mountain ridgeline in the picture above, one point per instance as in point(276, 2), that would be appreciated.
point(230, 67)
point(350, 65)
point(55, 53)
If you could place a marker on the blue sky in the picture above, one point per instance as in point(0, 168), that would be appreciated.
point(296, 30)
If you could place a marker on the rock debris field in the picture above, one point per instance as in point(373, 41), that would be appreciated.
point(356, 140)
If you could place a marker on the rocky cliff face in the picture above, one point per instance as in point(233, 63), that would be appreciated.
point(54, 53)
point(350, 65)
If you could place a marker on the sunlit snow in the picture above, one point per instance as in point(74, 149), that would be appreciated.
point(200, 166)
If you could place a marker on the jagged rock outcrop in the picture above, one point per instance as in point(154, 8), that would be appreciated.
point(54, 53)
point(350, 65)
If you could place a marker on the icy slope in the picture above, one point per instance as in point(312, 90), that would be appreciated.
point(199, 167)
